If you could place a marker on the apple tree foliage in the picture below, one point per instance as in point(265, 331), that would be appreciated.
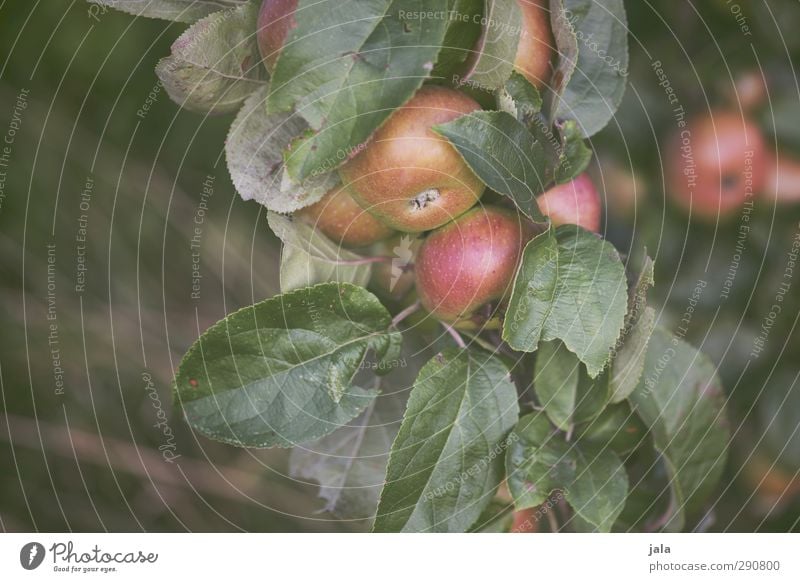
point(582, 394)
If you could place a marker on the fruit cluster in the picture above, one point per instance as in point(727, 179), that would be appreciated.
point(409, 179)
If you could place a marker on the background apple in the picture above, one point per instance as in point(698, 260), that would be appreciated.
point(575, 202)
point(409, 176)
point(716, 163)
point(782, 180)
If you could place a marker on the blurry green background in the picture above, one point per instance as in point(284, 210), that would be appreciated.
point(87, 457)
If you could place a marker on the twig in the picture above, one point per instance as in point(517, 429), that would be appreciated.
point(410, 310)
point(455, 335)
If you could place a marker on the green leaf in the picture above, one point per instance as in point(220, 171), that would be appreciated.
point(590, 89)
point(618, 427)
point(520, 98)
point(279, 372)
point(346, 83)
point(591, 477)
point(556, 379)
point(175, 10)
point(447, 459)
point(463, 32)
point(503, 154)
point(642, 278)
point(215, 65)
point(566, 48)
point(570, 286)
point(350, 464)
point(680, 398)
point(308, 257)
point(573, 153)
point(497, 47)
point(628, 363)
point(255, 160)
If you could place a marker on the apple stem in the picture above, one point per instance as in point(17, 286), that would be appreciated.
point(413, 308)
point(425, 197)
point(366, 261)
point(456, 336)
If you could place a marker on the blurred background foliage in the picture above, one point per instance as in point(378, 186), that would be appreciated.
point(91, 458)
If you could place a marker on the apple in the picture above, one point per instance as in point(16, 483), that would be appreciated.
point(715, 164)
point(535, 42)
point(525, 521)
point(782, 181)
point(469, 263)
point(275, 21)
point(574, 202)
point(410, 177)
point(343, 221)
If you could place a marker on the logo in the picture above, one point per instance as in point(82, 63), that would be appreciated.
point(31, 555)
point(403, 256)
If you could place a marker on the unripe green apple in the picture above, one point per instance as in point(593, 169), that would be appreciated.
point(715, 164)
point(535, 42)
point(343, 221)
point(407, 175)
point(574, 202)
point(275, 20)
point(469, 263)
